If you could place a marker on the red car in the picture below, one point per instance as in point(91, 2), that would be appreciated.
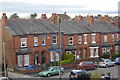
point(86, 65)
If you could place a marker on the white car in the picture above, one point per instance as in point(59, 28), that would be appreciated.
point(4, 78)
point(106, 62)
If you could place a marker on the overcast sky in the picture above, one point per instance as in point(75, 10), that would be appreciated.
point(72, 7)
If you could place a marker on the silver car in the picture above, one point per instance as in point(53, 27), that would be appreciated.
point(106, 62)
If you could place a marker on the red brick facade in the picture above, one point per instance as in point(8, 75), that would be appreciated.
point(99, 39)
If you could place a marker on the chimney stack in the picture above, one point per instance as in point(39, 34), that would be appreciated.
point(91, 20)
point(105, 18)
point(4, 19)
point(43, 17)
point(54, 18)
point(79, 18)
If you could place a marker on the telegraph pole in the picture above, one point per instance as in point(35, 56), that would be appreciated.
point(59, 49)
point(5, 71)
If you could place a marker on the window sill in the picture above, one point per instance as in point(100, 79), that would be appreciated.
point(96, 56)
point(36, 46)
point(85, 42)
point(93, 42)
point(43, 45)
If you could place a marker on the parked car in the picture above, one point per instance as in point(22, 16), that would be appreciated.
point(51, 71)
point(117, 60)
point(79, 75)
point(86, 65)
point(4, 78)
point(106, 63)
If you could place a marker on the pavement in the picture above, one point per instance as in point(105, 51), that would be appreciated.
point(18, 75)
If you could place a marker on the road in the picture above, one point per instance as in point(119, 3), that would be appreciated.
point(113, 70)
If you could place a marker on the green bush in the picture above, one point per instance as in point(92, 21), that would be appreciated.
point(110, 55)
point(115, 55)
point(66, 62)
point(67, 56)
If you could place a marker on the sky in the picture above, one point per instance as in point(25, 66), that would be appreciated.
point(73, 7)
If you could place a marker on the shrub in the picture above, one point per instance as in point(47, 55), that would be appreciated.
point(66, 62)
point(115, 55)
point(67, 56)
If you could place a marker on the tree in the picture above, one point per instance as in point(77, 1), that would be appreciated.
point(33, 16)
point(14, 16)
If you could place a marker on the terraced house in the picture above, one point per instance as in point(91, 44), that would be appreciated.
point(36, 41)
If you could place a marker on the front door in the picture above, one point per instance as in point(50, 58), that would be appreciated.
point(36, 58)
point(43, 57)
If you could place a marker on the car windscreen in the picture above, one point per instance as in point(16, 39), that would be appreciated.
point(117, 59)
point(80, 63)
point(82, 72)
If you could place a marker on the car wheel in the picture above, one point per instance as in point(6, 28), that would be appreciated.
point(106, 66)
point(113, 64)
point(48, 74)
point(62, 72)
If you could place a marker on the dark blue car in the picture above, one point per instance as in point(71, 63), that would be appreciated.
point(79, 75)
point(117, 60)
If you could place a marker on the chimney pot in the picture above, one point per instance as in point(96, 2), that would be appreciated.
point(4, 19)
point(43, 16)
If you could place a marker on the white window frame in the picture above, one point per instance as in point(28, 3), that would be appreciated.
point(116, 49)
point(52, 56)
point(57, 56)
point(19, 60)
point(35, 40)
point(26, 60)
point(91, 52)
point(84, 52)
point(96, 53)
point(80, 39)
point(54, 39)
point(113, 37)
point(93, 38)
point(43, 40)
point(117, 37)
point(24, 41)
point(85, 38)
point(105, 37)
point(70, 41)
point(104, 50)
point(68, 52)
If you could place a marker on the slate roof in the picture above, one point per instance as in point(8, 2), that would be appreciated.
point(69, 27)
point(19, 27)
point(64, 17)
